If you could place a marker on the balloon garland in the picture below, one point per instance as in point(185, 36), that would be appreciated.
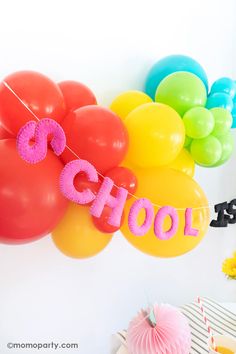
point(124, 168)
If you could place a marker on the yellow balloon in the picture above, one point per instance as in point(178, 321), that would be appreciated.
point(168, 187)
point(184, 163)
point(127, 101)
point(156, 135)
point(76, 236)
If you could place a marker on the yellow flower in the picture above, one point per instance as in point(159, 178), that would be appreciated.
point(229, 267)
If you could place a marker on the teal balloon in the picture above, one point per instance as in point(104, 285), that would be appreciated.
point(227, 144)
point(169, 65)
point(226, 85)
point(234, 116)
point(220, 99)
point(207, 151)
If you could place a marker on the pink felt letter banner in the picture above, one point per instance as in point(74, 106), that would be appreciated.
point(67, 181)
point(189, 230)
point(104, 197)
point(159, 220)
point(39, 132)
point(137, 206)
point(32, 145)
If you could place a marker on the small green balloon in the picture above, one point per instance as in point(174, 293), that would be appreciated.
point(182, 91)
point(199, 122)
point(187, 141)
point(227, 144)
point(223, 121)
point(207, 151)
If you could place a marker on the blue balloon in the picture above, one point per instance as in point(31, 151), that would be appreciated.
point(169, 65)
point(224, 84)
point(234, 116)
point(220, 99)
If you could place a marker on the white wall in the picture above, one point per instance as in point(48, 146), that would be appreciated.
point(109, 45)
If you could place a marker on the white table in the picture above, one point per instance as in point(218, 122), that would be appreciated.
point(119, 348)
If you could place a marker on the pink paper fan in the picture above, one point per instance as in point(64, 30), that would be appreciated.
point(170, 335)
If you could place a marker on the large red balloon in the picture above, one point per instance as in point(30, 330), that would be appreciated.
point(31, 204)
point(76, 95)
point(95, 134)
point(4, 134)
point(37, 91)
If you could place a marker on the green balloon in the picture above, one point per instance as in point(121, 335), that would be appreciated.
point(182, 91)
point(199, 122)
point(227, 144)
point(223, 121)
point(187, 141)
point(207, 151)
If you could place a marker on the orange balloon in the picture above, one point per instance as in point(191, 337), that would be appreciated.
point(184, 163)
point(168, 187)
point(76, 235)
point(127, 101)
point(156, 135)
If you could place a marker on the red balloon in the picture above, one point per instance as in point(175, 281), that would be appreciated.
point(4, 134)
point(97, 135)
point(102, 223)
point(31, 203)
point(123, 177)
point(76, 95)
point(81, 183)
point(37, 91)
